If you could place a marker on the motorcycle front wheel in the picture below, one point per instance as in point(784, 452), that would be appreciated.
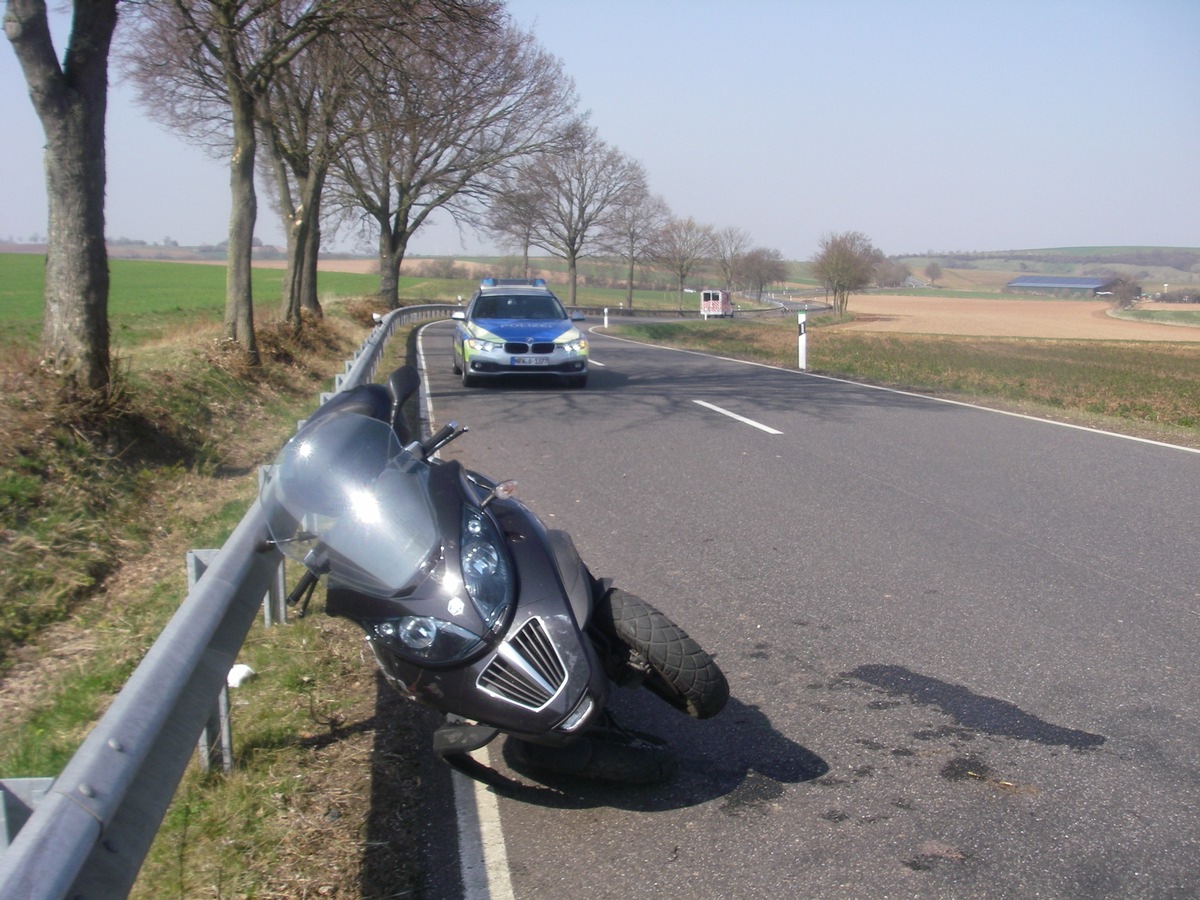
point(671, 664)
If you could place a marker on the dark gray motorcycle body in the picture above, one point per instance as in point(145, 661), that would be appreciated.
point(543, 667)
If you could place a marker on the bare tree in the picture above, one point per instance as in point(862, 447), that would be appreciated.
point(632, 230)
point(933, 271)
point(298, 119)
point(511, 218)
point(891, 272)
point(439, 123)
point(229, 50)
point(682, 245)
point(575, 193)
point(845, 263)
point(763, 266)
point(1125, 290)
point(71, 101)
point(730, 246)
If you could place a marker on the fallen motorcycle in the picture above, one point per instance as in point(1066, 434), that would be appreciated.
point(468, 602)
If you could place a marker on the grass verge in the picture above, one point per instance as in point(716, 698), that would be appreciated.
point(98, 516)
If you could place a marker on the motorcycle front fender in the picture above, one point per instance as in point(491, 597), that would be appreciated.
point(576, 579)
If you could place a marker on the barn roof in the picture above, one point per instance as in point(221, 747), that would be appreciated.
point(1058, 282)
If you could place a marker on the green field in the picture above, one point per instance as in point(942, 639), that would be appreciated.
point(148, 297)
point(1168, 316)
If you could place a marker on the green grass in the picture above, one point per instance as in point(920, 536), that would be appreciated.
point(70, 510)
point(1169, 316)
point(148, 298)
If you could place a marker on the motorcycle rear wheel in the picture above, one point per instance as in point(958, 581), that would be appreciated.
point(676, 668)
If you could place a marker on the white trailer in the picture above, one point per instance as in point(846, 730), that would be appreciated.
point(716, 303)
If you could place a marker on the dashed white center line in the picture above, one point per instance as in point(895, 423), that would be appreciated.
point(759, 425)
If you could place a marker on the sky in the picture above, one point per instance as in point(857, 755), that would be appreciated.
point(926, 125)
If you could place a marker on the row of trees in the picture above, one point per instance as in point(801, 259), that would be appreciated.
point(372, 111)
point(590, 199)
point(363, 114)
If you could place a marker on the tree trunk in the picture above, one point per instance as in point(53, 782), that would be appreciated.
point(289, 294)
point(311, 189)
point(301, 224)
point(629, 287)
point(71, 107)
point(239, 297)
point(293, 275)
point(389, 270)
point(572, 275)
point(75, 335)
point(308, 273)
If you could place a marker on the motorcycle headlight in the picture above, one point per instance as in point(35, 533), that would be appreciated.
point(486, 572)
point(426, 638)
point(487, 577)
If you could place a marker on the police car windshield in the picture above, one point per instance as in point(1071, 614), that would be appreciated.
point(518, 307)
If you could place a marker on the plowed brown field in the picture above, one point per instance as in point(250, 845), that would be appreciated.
point(1087, 319)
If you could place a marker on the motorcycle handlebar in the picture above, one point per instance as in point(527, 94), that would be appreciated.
point(441, 438)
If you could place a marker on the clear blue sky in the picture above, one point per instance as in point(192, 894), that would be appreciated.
point(966, 125)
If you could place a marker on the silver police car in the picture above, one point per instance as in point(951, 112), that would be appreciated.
point(515, 327)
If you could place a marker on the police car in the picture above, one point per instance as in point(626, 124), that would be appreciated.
point(515, 327)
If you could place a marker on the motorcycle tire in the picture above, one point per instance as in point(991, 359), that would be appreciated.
point(675, 667)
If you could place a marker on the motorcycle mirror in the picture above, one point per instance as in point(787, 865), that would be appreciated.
point(503, 490)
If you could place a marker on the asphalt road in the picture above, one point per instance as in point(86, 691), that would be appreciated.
point(962, 645)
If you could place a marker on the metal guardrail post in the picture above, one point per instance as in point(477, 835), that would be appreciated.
point(275, 603)
point(18, 797)
point(215, 747)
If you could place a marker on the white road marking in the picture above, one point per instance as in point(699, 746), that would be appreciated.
point(759, 425)
point(483, 859)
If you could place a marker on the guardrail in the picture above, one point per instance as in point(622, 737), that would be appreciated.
point(90, 832)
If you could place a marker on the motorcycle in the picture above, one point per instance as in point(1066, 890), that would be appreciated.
point(469, 603)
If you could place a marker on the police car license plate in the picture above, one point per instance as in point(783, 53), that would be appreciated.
point(530, 361)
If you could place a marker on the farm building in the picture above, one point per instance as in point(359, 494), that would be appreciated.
point(1056, 284)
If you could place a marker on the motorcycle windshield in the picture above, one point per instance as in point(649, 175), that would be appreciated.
point(345, 498)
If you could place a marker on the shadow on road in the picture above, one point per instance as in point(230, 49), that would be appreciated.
point(410, 840)
point(738, 755)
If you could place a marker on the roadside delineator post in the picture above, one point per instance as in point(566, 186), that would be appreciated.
point(802, 340)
